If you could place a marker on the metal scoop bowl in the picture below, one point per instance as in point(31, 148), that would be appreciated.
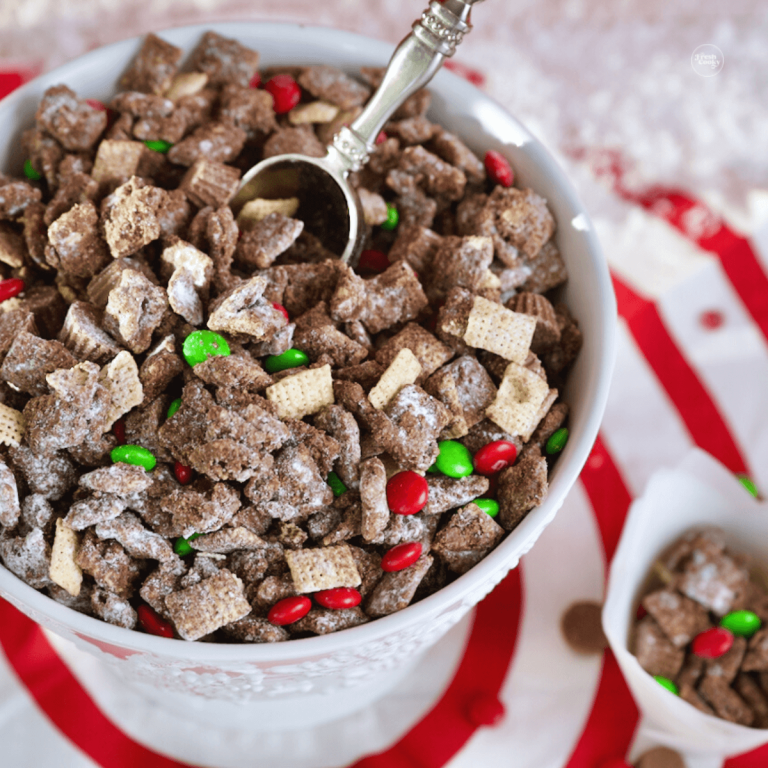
point(328, 206)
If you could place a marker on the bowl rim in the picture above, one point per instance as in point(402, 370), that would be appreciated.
point(569, 466)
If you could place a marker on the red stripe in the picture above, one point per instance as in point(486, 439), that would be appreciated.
point(483, 668)
point(10, 81)
point(613, 719)
point(430, 743)
point(695, 405)
point(66, 703)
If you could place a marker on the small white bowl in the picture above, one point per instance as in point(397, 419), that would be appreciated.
point(699, 493)
point(324, 677)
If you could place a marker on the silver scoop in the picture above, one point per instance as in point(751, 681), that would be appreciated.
point(328, 206)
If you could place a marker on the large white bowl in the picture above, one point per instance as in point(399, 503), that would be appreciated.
point(323, 677)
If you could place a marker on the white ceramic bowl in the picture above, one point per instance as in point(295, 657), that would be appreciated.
point(322, 673)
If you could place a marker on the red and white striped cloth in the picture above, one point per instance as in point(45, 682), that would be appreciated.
point(692, 370)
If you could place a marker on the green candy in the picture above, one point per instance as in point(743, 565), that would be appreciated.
point(749, 485)
point(454, 459)
point(134, 454)
point(665, 682)
point(489, 506)
point(744, 623)
point(30, 172)
point(200, 345)
point(336, 485)
point(291, 358)
point(158, 146)
point(393, 217)
point(173, 407)
point(433, 469)
point(557, 441)
point(181, 545)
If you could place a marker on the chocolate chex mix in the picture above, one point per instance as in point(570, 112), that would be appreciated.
point(208, 419)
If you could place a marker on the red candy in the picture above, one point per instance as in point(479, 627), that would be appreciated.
point(153, 624)
point(401, 556)
point(10, 288)
point(494, 457)
point(97, 105)
point(381, 138)
point(182, 472)
point(118, 429)
point(376, 261)
point(713, 643)
point(285, 93)
point(289, 609)
point(339, 598)
point(498, 169)
point(255, 81)
point(485, 709)
point(281, 308)
point(407, 493)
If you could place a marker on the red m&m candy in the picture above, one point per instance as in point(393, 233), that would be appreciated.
point(118, 428)
point(498, 169)
point(494, 457)
point(401, 556)
point(713, 643)
point(376, 261)
point(152, 623)
point(289, 609)
point(10, 288)
point(283, 310)
point(182, 472)
point(407, 493)
point(255, 81)
point(285, 93)
point(339, 598)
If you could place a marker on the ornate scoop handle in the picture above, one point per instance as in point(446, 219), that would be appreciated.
point(414, 63)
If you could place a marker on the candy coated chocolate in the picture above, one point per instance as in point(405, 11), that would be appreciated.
point(288, 610)
point(401, 556)
point(454, 459)
point(133, 454)
point(407, 493)
point(713, 643)
point(494, 457)
point(291, 358)
point(743, 623)
point(339, 598)
point(201, 345)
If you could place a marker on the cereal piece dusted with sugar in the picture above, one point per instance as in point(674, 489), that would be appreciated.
point(215, 142)
point(297, 139)
point(93, 510)
point(342, 426)
point(209, 605)
point(121, 378)
point(109, 565)
point(100, 285)
point(71, 121)
point(438, 178)
point(460, 262)
point(82, 334)
point(453, 150)
point(396, 590)
point(516, 408)
point(395, 296)
point(714, 579)
point(64, 569)
point(181, 255)
point(10, 510)
point(313, 570)
point(116, 162)
point(12, 425)
point(416, 245)
point(50, 475)
point(76, 245)
point(267, 239)
point(260, 208)
point(373, 494)
point(123, 479)
point(30, 359)
point(228, 540)
point(29, 557)
point(153, 68)
point(224, 60)
point(112, 609)
point(404, 369)
point(134, 309)
point(522, 487)
point(302, 394)
point(316, 335)
point(243, 309)
point(249, 109)
point(331, 84)
point(201, 510)
point(547, 331)
point(75, 189)
point(375, 209)
point(547, 270)
point(446, 493)
point(137, 540)
point(467, 538)
point(654, 651)
point(492, 327)
point(160, 367)
point(430, 352)
point(12, 324)
point(725, 701)
point(210, 183)
point(680, 618)
point(13, 250)
point(251, 629)
point(183, 297)
point(130, 221)
point(321, 621)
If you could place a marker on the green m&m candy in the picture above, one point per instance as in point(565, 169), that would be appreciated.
point(181, 545)
point(393, 217)
point(200, 345)
point(557, 441)
point(30, 172)
point(173, 407)
point(454, 459)
point(158, 146)
point(291, 358)
point(665, 682)
point(489, 506)
point(134, 454)
point(744, 623)
point(336, 485)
